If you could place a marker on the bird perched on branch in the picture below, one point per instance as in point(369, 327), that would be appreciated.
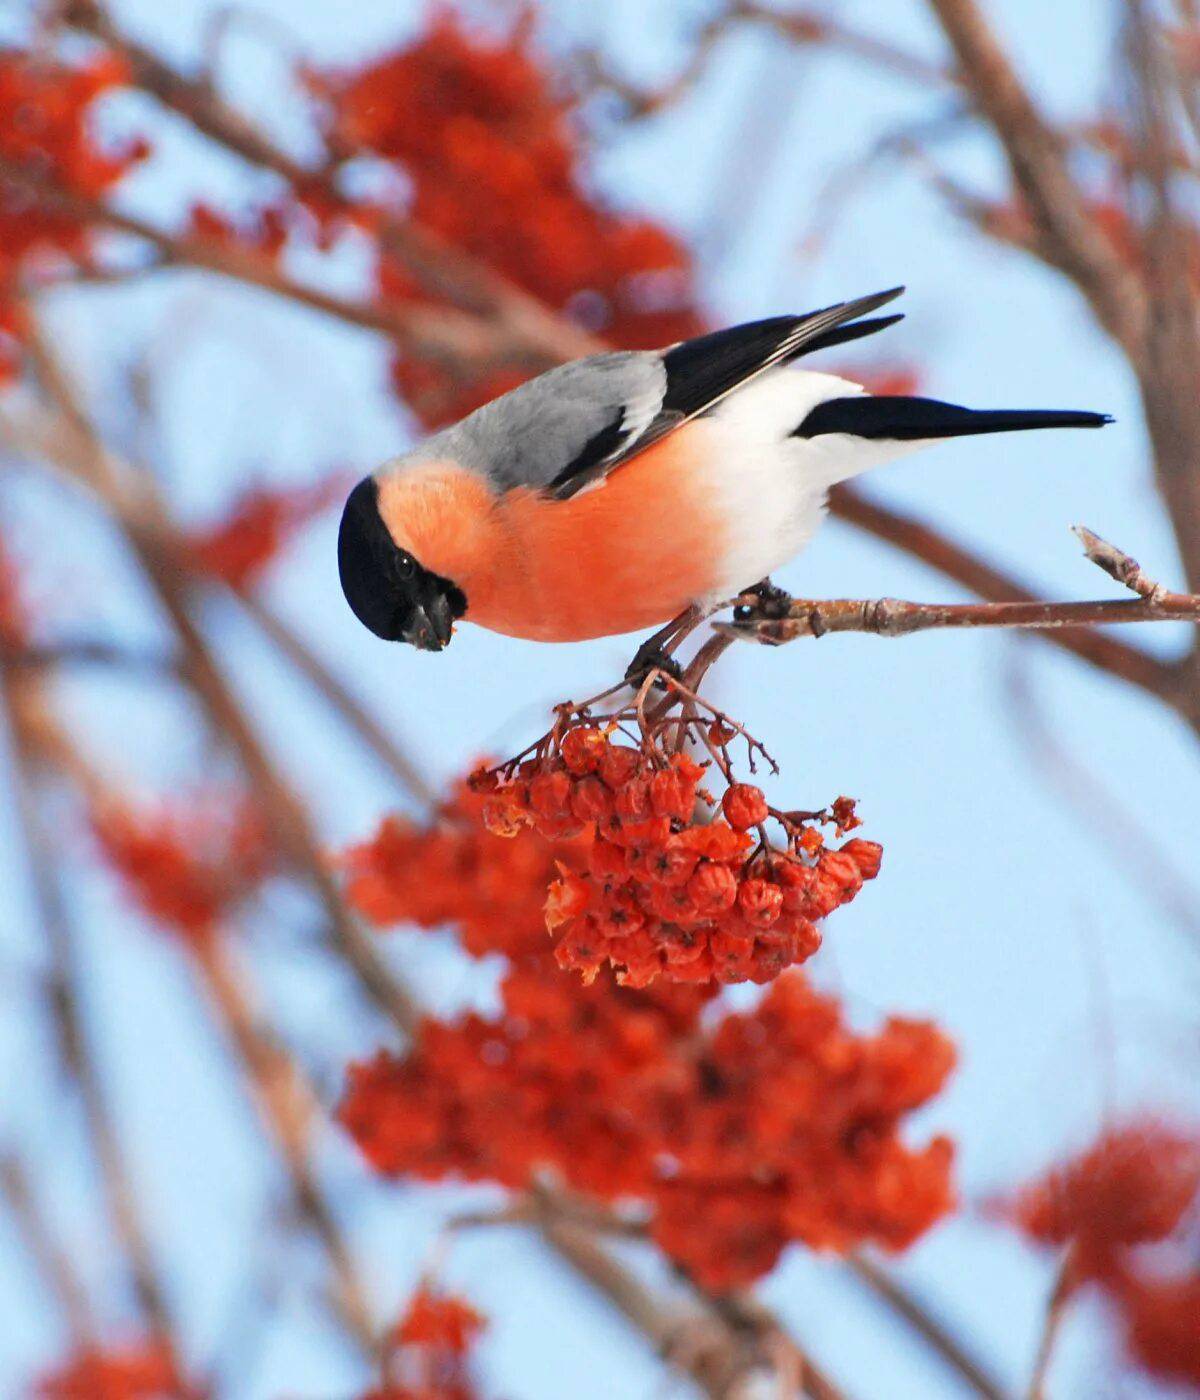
point(612, 493)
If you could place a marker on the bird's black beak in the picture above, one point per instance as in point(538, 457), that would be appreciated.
point(431, 623)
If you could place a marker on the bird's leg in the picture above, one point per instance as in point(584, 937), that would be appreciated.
point(654, 654)
point(763, 602)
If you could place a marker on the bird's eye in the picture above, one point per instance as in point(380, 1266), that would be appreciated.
point(406, 565)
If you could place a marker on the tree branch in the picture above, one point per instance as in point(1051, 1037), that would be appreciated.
point(930, 1328)
point(1037, 160)
point(53, 1263)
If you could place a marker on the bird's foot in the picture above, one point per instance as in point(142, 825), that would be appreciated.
point(763, 603)
point(652, 656)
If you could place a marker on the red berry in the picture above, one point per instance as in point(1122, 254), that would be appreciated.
point(713, 888)
point(760, 902)
point(582, 749)
point(744, 806)
point(867, 855)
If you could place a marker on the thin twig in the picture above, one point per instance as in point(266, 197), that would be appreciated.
point(893, 617)
point(1036, 158)
point(338, 697)
point(1056, 1311)
point(288, 1107)
point(922, 541)
point(70, 444)
point(933, 1330)
point(54, 1263)
point(77, 1050)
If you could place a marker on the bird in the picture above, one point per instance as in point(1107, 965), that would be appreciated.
point(611, 494)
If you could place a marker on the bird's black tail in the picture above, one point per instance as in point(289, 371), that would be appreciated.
point(910, 419)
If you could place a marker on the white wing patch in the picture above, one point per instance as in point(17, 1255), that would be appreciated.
point(771, 486)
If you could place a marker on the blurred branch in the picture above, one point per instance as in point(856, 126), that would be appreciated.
point(439, 334)
point(67, 1015)
point(1168, 361)
point(286, 1103)
point(441, 268)
point(288, 1108)
point(737, 1351)
point(308, 664)
point(1037, 160)
point(816, 27)
point(53, 1263)
point(1107, 811)
point(1061, 1293)
point(62, 436)
point(930, 1328)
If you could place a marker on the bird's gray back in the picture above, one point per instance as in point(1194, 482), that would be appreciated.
point(532, 435)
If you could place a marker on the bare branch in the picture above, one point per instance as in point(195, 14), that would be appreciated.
point(67, 442)
point(288, 1108)
point(1037, 160)
point(894, 617)
point(1128, 663)
point(78, 1055)
point(53, 1262)
point(930, 1328)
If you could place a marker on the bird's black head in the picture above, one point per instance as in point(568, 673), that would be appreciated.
point(390, 592)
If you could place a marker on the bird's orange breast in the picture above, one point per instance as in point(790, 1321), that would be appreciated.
point(626, 554)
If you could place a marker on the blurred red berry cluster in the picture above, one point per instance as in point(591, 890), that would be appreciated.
point(239, 548)
point(47, 135)
point(130, 1373)
point(665, 890)
point(186, 862)
point(1136, 1186)
point(737, 1134)
point(496, 163)
point(428, 1357)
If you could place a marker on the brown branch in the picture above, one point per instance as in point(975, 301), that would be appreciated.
point(931, 547)
point(1056, 1310)
point(1037, 160)
point(304, 660)
point(1124, 830)
point(287, 1102)
point(443, 269)
point(66, 983)
point(1168, 363)
point(54, 1264)
point(65, 440)
point(816, 27)
point(732, 1350)
point(894, 617)
point(438, 334)
point(930, 1328)
point(288, 1108)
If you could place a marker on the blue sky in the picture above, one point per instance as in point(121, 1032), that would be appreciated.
point(1000, 913)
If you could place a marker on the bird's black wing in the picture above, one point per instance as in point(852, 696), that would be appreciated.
point(698, 374)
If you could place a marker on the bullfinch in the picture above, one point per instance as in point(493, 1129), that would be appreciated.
point(610, 494)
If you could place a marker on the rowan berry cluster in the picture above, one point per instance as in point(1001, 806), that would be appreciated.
point(736, 1134)
point(46, 134)
point(495, 160)
point(239, 548)
point(185, 863)
point(428, 1355)
point(668, 888)
point(117, 1373)
point(1137, 1185)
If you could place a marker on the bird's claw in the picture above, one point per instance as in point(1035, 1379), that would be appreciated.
point(651, 658)
point(763, 603)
